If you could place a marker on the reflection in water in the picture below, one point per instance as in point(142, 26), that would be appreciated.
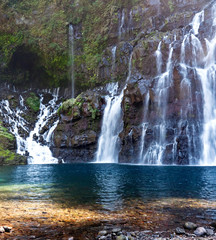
point(106, 186)
point(109, 187)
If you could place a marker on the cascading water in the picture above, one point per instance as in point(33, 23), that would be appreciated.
point(121, 26)
point(207, 76)
point(108, 147)
point(153, 154)
point(38, 153)
point(198, 77)
point(144, 128)
point(71, 55)
point(113, 61)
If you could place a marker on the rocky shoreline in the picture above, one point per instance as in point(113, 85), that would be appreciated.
point(160, 220)
point(188, 231)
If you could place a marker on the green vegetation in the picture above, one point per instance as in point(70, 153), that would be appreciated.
point(42, 27)
point(7, 145)
point(8, 44)
point(81, 105)
point(171, 5)
point(5, 134)
point(33, 102)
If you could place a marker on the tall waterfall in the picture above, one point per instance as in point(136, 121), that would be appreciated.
point(198, 72)
point(36, 145)
point(108, 144)
point(189, 136)
point(207, 76)
point(153, 154)
point(71, 54)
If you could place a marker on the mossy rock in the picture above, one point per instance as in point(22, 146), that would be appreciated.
point(7, 149)
point(33, 102)
point(8, 157)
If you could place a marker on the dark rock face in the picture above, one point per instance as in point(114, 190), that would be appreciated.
point(75, 138)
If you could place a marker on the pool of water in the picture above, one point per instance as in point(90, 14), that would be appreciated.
point(106, 185)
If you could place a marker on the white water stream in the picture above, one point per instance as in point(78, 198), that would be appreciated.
point(108, 144)
point(38, 153)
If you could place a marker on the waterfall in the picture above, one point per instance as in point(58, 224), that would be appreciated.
point(113, 61)
point(71, 55)
point(197, 20)
point(38, 153)
point(158, 55)
point(202, 63)
point(144, 127)
point(112, 125)
point(121, 25)
point(197, 67)
point(207, 76)
point(154, 152)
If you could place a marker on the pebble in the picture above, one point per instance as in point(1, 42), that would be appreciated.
point(121, 234)
point(200, 231)
point(180, 230)
point(102, 233)
point(190, 226)
point(121, 237)
point(131, 238)
point(116, 230)
point(103, 238)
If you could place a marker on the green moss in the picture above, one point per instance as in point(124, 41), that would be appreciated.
point(7, 155)
point(93, 111)
point(127, 107)
point(145, 45)
point(171, 5)
point(67, 105)
point(8, 44)
point(42, 25)
point(33, 102)
point(7, 142)
point(4, 133)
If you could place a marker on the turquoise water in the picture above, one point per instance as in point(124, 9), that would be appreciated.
point(106, 185)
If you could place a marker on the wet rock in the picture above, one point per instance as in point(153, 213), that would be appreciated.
point(75, 137)
point(102, 233)
point(121, 237)
point(32, 237)
point(213, 224)
point(200, 231)
point(7, 229)
point(35, 137)
point(209, 232)
point(190, 225)
point(116, 230)
point(131, 238)
point(103, 238)
point(180, 231)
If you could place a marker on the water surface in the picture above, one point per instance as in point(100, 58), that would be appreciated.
point(106, 185)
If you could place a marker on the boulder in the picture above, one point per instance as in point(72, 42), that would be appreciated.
point(190, 225)
point(200, 231)
point(180, 231)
